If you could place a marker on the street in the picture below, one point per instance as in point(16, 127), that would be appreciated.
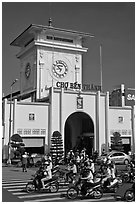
point(14, 181)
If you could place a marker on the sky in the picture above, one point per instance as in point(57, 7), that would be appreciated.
point(112, 24)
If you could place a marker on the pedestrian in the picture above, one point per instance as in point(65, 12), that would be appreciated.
point(24, 161)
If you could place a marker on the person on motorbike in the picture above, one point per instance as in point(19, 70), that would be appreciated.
point(110, 174)
point(72, 170)
point(87, 176)
point(70, 156)
point(92, 166)
point(77, 160)
point(47, 174)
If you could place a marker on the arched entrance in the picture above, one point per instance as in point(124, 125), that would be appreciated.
point(79, 132)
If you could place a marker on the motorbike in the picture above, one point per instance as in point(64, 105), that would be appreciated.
point(51, 185)
point(111, 187)
point(74, 190)
point(128, 176)
point(61, 173)
point(130, 194)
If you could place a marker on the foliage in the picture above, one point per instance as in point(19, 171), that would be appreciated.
point(17, 145)
point(116, 142)
point(56, 148)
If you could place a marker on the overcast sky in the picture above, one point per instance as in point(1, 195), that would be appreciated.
point(113, 25)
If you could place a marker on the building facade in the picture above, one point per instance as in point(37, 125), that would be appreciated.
point(53, 98)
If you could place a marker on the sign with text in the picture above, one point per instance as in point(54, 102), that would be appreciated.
point(75, 85)
point(130, 97)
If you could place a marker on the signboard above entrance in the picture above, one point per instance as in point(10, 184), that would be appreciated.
point(75, 85)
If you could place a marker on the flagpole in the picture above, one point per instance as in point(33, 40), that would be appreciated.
point(101, 66)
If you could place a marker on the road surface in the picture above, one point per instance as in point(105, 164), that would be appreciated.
point(14, 181)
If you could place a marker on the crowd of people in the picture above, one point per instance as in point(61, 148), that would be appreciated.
point(77, 163)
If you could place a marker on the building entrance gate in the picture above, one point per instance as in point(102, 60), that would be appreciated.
point(79, 132)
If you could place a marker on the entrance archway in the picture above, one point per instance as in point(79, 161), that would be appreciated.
point(79, 132)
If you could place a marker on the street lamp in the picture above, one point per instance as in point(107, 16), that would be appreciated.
point(10, 120)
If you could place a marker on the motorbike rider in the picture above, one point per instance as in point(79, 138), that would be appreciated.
point(110, 174)
point(92, 166)
point(72, 170)
point(47, 174)
point(70, 155)
point(87, 176)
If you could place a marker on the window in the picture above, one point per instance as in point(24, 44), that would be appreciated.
point(31, 116)
point(120, 154)
point(120, 119)
point(60, 39)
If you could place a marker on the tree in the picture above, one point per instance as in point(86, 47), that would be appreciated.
point(116, 142)
point(56, 148)
point(17, 145)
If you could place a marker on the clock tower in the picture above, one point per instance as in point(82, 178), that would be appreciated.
point(49, 55)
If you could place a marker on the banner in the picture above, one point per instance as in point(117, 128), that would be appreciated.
point(130, 97)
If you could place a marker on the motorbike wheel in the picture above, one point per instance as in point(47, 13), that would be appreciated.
point(30, 187)
point(129, 195)
point(54, 187)
point(98, 194)
point(72, 193)
point(126, 178)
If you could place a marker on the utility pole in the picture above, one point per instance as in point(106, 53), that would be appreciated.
point(10, 120)
point(101, 67)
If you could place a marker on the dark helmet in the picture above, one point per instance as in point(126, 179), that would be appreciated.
point(86, 164)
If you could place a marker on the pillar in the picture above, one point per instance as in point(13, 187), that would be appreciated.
point(61, 115)
point(97, 121)
point(107, 138)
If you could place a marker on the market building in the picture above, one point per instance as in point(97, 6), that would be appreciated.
point(52, 96)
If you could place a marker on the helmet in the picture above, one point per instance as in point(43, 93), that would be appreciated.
point(109, 161)
point(46, 163)
point(86, 164)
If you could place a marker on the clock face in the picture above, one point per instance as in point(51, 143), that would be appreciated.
point(27, 70)
point(60, 69)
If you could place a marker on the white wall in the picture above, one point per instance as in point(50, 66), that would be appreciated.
point(69, 106)
point(125, 127)
point(35, 127)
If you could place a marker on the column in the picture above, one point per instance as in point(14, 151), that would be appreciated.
point(61, 115)
point(50, 118)
point(107, 138)
point(4, 129)
point(97, 121)
point(133, 127)
point(14, 116)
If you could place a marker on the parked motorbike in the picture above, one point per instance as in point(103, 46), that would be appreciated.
point(51, 185)
point(74, 190)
